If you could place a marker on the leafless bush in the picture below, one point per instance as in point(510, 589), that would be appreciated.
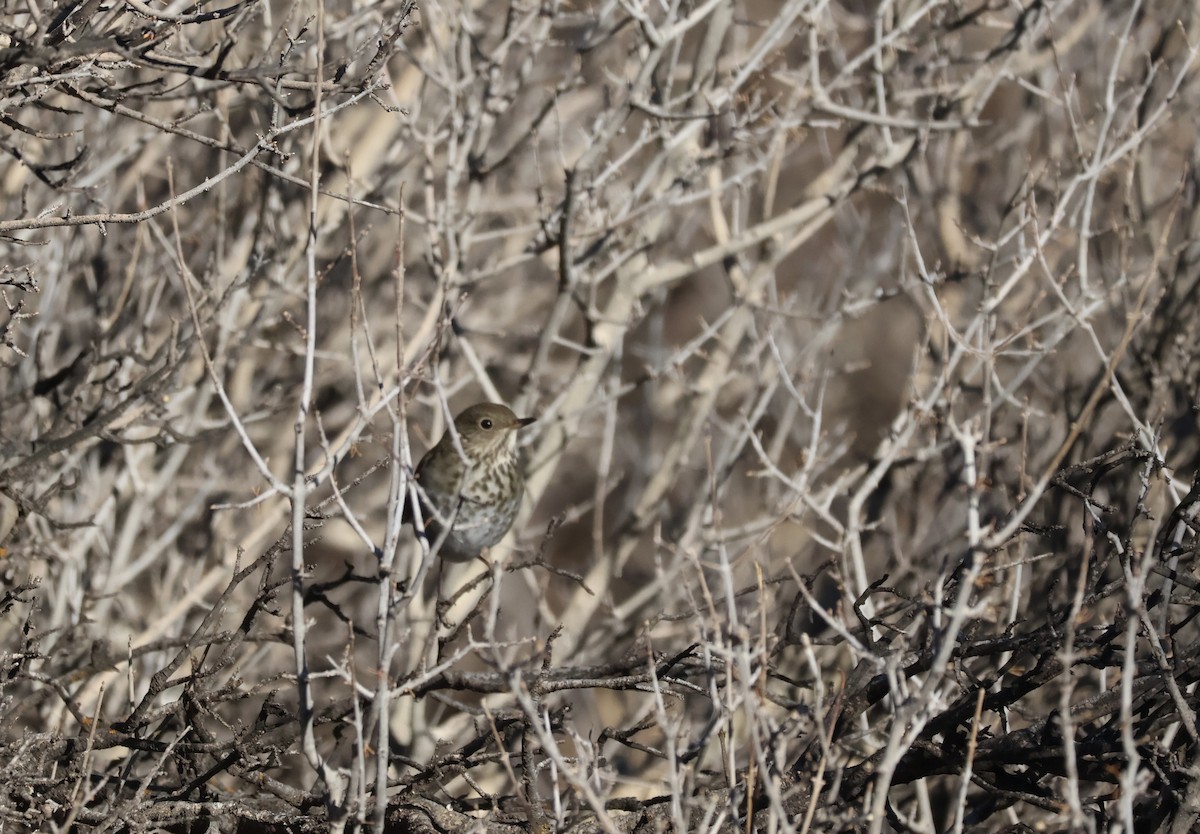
point(862, 338)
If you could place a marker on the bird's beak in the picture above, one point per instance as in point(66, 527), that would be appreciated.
point(525, 421)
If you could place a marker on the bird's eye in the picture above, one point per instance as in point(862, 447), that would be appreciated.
point(485, 423)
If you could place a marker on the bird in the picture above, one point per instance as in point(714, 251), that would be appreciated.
point(472, 480)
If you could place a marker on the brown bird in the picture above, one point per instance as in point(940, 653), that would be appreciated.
point(477, 490)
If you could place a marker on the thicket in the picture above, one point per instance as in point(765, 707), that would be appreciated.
point(863, 342)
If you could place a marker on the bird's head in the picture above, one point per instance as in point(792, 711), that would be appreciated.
point(489, 428)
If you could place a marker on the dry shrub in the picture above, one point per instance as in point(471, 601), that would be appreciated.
point(862, 338)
